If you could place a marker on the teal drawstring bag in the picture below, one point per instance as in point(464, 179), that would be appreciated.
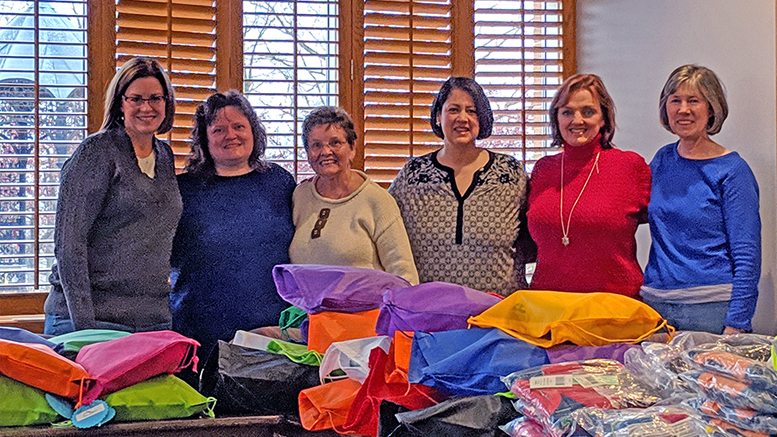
point(161, 397)
point(72, 342)
point(22, 405)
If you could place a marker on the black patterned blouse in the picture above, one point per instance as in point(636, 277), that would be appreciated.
point(475, 239)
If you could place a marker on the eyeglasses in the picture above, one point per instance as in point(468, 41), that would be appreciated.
point(137, 101)
point(334, 144)
point(320, 223)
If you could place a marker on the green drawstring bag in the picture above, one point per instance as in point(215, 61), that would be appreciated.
point(161, 397)
point(298, 353)
point(22, 405)
point(72, 342)
point(291, 317)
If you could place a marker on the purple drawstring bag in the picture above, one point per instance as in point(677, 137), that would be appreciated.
point(561, 353)
point(431, 307)
point(315, 288)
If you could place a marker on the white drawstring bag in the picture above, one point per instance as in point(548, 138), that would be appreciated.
point(351, 357)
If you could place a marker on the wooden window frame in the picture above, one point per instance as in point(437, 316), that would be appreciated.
point(101, 55)
point(229, 58)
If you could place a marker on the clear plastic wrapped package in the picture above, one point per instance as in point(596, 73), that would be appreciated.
point(730, 430)
point(754, 346)
point(743, 418)
point(731, 392)
point(522, 427)
point(658, 365)
point(773, 359)
point(549, 394)
point(675, 420)
point(757, 374)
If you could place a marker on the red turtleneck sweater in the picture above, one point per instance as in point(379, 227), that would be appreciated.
point(602, 250)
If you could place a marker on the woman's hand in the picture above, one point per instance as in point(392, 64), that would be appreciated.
point(729, 330)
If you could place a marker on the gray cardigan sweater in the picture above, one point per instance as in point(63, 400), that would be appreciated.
point(113, 235)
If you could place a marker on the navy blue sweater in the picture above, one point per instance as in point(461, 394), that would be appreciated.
point(233, 230)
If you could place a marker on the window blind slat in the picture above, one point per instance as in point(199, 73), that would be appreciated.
point(181, 35)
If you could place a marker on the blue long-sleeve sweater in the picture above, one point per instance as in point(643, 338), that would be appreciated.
point(706, 231)
point(233, 230)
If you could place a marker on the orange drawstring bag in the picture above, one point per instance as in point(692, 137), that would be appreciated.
point(327, 327)
point(399, 356)
point(547, 318)
point(39, 366)
point(326, 406)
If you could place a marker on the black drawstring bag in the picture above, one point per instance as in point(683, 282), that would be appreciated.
point(249, 381)
point(474, 416)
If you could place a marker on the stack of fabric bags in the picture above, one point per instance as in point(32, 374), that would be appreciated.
point(90, 377)
point(401, 360)
point(387, 359)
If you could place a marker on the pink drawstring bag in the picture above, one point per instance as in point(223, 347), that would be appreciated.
point(126, 361)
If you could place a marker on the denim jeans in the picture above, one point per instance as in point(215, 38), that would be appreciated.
point(707, 317)
point(56, 325)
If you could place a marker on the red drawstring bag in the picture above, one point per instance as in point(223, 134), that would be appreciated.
point(363, 415)
point(126, 361)
point(39, 366)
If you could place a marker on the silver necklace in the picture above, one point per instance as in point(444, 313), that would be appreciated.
point(565, 230)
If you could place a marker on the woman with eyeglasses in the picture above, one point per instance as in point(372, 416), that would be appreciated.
point(235, 226)
point(117, 211)
point(340, 215)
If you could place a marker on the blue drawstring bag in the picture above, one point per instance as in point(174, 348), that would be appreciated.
point(20, 335)
point(470, 362)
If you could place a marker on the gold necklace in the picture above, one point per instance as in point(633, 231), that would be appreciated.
point(565, 230)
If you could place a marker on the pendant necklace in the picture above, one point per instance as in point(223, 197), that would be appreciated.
point(565, 230)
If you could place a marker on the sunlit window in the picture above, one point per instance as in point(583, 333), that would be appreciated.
point(42, 120)
point(290, 67)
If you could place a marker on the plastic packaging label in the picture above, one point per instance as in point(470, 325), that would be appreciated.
point(552, 381)
point(588, 381)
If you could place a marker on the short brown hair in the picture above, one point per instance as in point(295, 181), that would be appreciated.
point(709, 86)
point(137, 68)
point(328, 115)
point(482, 105)
point(594, 84)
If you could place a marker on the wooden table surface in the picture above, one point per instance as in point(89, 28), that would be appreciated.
point(246, 426)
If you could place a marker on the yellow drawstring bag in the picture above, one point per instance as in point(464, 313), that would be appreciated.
point(547, 318)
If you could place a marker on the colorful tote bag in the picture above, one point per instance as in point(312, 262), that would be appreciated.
point(125, 361)
point(470, 362)
point(326, 406)
point(316, 288)
point(23, 405)
point(431, 307)
point(364, 412)
point(39, 366)
point(547, 318)
point(328, 327)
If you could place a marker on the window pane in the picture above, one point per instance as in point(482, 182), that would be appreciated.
point(518, 63)
point(42, 120)
point(290, 66)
